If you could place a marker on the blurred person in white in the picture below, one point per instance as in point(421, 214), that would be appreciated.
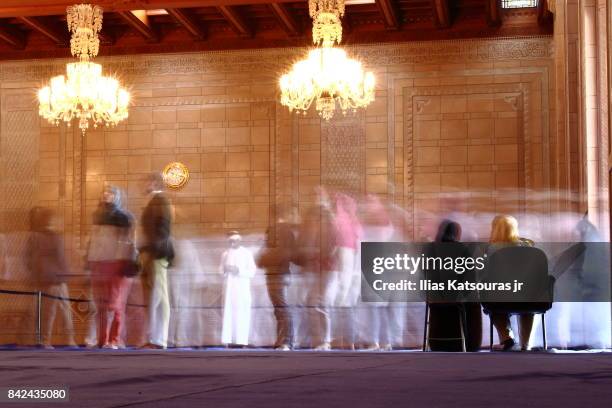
point(111, 256)
point(238, 266)
point(91, 337)
point(156, 255)
point(589, 321)
point(186, 284)
point(46, 261)
point(377, 227)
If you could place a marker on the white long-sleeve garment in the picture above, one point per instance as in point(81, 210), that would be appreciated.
point(237, 302)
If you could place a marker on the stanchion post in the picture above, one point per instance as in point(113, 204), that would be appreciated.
point(39, 318)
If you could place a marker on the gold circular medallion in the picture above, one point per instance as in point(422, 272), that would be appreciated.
point(175, 175)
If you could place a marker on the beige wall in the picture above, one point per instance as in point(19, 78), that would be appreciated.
point(468, 118)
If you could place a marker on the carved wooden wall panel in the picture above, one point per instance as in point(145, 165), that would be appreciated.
point(343, 154)
point(19, 187)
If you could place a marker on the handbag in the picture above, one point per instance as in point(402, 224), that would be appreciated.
point(132, 265)
point(131, 269)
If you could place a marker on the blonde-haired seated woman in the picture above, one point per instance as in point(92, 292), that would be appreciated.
point(504, 233)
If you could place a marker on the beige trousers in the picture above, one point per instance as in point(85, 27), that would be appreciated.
point(155, 286)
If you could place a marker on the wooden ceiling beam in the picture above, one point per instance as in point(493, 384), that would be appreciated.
point(187, 22)
point(494, 17)
point(442, 16)
point(347, 27)
point(238, 23)
point(58, 37)
point(12, 36)
point(286, 20)
point(17, 8)
point(139, 22)
point(106, 37)
point(389, 13)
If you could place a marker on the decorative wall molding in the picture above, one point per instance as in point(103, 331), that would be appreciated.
point(269, 62)
point(196, 100)
point(18, 100)
point(414, 99)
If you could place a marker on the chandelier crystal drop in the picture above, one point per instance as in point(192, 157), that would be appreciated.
point(326, 21)
point(84, 93)
point(84, 22)
point(327, 76)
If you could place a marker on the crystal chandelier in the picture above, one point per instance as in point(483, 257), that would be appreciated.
point(84, 93)
point(327, 76)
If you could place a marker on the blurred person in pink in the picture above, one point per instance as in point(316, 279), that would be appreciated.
point(347, 238)
point(111, 258)
point(348, 235)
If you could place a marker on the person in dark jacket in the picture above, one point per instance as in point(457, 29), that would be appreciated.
point(275, 259)
point(315, 254)
point(156, 254)
point(47, 263)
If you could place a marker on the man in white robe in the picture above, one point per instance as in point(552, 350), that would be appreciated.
point(238, 266)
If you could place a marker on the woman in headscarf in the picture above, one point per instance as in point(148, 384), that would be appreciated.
point(111, 257)
point(449, 313)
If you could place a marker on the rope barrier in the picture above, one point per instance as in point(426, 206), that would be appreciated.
point(18, 292)
point(46, 295)
point(38, 333)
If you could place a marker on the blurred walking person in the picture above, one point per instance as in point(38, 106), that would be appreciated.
point(157, 253)
point(316, 254)
point(111, 256)
point(186, 285)
point(276, 260)
point(238, 266)
point(382, 317)
point(47, 263)
point(349, 233)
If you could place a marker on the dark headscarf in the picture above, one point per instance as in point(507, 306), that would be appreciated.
point(448, 231)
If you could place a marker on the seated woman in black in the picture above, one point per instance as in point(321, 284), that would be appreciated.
point(446, 309)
